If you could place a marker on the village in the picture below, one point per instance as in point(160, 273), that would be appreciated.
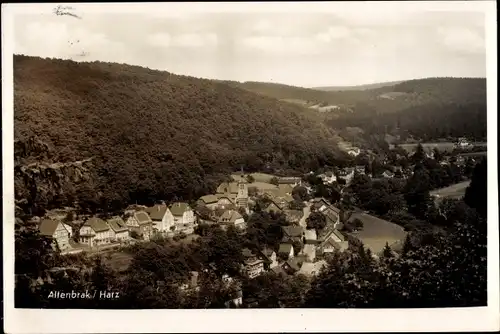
point(303, 249)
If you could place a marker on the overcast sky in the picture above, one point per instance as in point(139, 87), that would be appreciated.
point(304, 49)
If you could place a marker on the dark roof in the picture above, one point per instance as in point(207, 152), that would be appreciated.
point(97, 224)
point(278, 270)
point(310, 234)
point(339, 234)
point(293, 231)
point(142, 217)
point(247, 252)
point(179, 208)
point(285, 249)
point(272, 206)
point(267, 252)
point(48, 227)
point(209, 199)
point(331, 215)
point(230, 216)
point(228, 187)
point(157, 212)
point(117, 224)
point(292, 263)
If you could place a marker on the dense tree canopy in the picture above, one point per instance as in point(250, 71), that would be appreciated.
point(158, 136)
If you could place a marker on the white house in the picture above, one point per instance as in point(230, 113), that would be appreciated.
point(335, 242)
point(347, 174)
point(95, 232)
point(184, 218)
point(235, 299)
point(119, 230)
point(320, 204)
point(163, 220)
point(310, 236)
point(354, 151)
point(388, 174)
point(140, 223)
point(210, 201)
point(57, 232)
point(69, 228)
point(328, 177)
point(270, 256)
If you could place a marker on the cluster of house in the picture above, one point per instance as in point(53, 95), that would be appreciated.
point(232, 199)
point(143, 221)
point(227, 205)
point(347, 174)
point(301, 251)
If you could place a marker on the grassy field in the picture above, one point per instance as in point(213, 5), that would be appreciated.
point(258, 177)
point(453, 191)
point(376, 232)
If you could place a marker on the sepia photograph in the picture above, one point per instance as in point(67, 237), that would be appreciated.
point(321, 157)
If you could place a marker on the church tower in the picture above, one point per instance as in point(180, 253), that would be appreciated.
point(242, 198)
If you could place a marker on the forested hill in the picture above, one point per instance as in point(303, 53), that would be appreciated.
point(154, 135)
point(386, 99)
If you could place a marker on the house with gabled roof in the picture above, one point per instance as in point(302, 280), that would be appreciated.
point(235, 299)
point(119, 230)
point(141, 223)
point(273, 207)
point(360, 169)
point(291, 266)
point(210, 201)
point(346, 174)
point(292, 233)
point(95, 232)
point(269, 257)
point(320, 204)
point(232, 217)
point(278, 270)
point(56, 231)
point(162, 218)
point(184, 218)
point(388, 174)
point(253, 266)
point(328, 177)
point(336, 241)
point(286, 251)
point(332, 215)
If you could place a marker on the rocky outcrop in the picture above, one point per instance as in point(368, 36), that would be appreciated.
point(31, 148)
point(43, 182)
